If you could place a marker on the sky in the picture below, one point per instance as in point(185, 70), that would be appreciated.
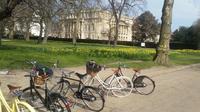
point(185, 12)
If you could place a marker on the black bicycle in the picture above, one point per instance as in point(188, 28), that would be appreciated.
point(143, 84)
point(89, 95)
point(40, 97)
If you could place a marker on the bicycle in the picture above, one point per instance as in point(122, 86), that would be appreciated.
point(89, 95)
point(143, 84)
point(43, 96)
point(120, 86)
point(17, 105)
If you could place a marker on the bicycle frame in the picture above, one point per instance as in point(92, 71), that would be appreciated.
point(101, 82)
point(119, 71)
point(14, 107)
point(79, 85)
point(34, 87)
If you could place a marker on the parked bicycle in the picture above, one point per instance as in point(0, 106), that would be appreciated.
point(17, 105)
point(143, 84)
point(89, 95)
point(120, 86)
point(40, 97)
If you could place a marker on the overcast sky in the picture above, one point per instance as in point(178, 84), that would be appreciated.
point(185, 12)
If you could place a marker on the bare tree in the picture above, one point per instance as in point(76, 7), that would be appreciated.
point(1, 31)
point(6, 8)
point(118, 8)
point(162, 50)
point(77, 7)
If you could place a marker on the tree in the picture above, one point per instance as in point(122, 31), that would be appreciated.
point(162, 50)
point(180, 35)
point(76, 8)
point(196, 33)
point(6, 8)
point(145, 27)
point(118, 8)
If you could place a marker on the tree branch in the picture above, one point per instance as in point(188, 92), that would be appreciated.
point(7, 12)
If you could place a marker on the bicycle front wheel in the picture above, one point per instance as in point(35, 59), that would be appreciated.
point(59, 103)
point(143, 85)
point(24, 107)
point(61, 87)
point(92, 98)
point(121, 86)
point(29, 95)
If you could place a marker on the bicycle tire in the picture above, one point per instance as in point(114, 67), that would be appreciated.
point(122, 86)
point(33, 99)
point(61, 87)
point(144, 85)
point(58, 103)
point(92, 98)
point(24, 107)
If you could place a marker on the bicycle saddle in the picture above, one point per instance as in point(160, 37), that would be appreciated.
point(12, 88)
point(136, 70)
point(80, 75)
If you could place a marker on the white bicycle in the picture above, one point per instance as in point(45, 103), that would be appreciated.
point(120, 86)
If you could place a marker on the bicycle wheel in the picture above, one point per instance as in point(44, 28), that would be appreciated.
point(24, 107)
point(121, 86)
point(143, 85)
point(61, 87)
point(33, 98)
point(92, 98)
point(58, 103)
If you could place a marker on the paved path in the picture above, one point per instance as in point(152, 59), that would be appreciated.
point(177, 90)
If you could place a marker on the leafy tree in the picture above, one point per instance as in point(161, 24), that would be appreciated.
point(145, 27)
point(180, 35)
point(188, 34)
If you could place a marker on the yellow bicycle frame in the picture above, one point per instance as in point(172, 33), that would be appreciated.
point(15, 103)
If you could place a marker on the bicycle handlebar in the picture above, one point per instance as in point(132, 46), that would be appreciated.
point(67, 74)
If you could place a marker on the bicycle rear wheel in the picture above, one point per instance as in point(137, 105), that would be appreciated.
point(121, 86)
point(92, 98)
point(24, 107)
point(143, 85)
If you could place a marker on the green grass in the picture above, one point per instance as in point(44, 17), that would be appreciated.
point(14, 53)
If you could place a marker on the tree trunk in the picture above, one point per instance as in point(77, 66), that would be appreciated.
point(116, 32)
point(77, 28)
point(0, 38)
point(198, 44)
point(1, 32)
point(27, 33)
point(48, 25)
point(41, 31)
point(11, 30)
point(162, 50)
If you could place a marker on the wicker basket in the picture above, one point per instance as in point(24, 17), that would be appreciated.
point(39, 80)
point(92, 68)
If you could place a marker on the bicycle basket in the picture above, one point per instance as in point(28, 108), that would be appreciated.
point(40, 68)
point(40, 79)
point(92, 68)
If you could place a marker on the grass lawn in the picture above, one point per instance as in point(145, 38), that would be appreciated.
point(14, 53)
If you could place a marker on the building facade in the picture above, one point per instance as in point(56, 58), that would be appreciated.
point(96, 24)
